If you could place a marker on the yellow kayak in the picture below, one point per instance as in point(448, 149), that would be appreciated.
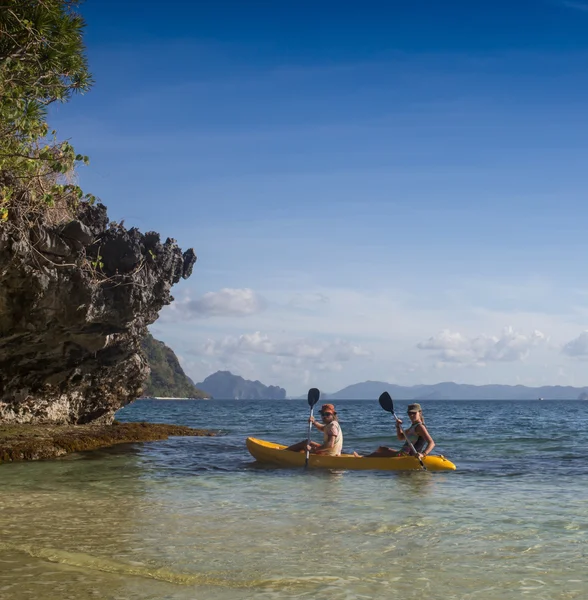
point(275, 454)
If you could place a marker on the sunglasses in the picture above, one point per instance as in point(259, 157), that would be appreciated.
point(412, 412)
point(327, 414)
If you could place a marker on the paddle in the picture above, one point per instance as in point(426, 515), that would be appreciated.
point(386, 403)
point(313, 398)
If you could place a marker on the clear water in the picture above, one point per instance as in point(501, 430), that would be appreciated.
point(194, 518)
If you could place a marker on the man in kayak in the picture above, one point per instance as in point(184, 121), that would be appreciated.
point(332, 434)
point(417, 434)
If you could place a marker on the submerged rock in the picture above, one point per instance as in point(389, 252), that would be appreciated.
point(31, 442)
point(75, 301)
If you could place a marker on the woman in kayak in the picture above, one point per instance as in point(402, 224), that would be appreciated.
point(417, 434)
point(332, 434)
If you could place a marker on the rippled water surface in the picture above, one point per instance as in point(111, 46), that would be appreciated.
point(193, 518)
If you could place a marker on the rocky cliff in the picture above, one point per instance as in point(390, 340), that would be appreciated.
point(76, 296)
point(167, 378)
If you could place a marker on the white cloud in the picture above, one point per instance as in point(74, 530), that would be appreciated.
point(455, 348)
point(319, 352)
point(227, 302)
point(293, 344)
point(290, 363)
point(249, 342)
point(578, 347)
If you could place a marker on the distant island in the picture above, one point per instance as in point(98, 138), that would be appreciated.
point(223, 385)
point(167, 378)
point(370, 390)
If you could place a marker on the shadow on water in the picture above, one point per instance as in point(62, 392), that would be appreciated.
point(412, 483)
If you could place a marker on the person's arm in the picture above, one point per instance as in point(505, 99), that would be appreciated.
point(422, 431)
point(399, 433)
point(329, 444)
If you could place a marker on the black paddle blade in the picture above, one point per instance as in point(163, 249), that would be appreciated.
point(386, 403)
point(313, 396)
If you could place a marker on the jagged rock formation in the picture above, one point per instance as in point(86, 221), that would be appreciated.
point(167, 378)
point(223, 385)
point(75, 300)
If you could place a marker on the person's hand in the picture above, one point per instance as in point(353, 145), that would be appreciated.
point(311, 419)
point(309, 447)
point(398, 422)
point(420, 455)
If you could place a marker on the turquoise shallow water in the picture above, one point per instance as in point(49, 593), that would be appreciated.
point(197, 518)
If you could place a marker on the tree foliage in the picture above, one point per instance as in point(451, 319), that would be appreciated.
point(42, 61)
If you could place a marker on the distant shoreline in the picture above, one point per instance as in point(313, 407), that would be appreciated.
point(165, 398)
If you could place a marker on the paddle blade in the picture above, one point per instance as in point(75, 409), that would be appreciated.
point(386, 403)
point(313, 396)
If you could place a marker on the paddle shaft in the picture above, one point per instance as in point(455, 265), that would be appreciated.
point(313, 397)
point(308, 436)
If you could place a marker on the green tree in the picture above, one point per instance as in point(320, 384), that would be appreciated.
point(42, 61)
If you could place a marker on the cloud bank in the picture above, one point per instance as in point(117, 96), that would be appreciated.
point(299, 353)
point(578, 347)
point(454, 348)
point(227, 302)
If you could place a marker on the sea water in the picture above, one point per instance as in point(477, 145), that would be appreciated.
point(197, 518)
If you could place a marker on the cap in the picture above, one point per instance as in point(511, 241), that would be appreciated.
point(414, 407)
point(328, 407)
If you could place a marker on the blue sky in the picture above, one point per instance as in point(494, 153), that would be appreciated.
point(374, 190)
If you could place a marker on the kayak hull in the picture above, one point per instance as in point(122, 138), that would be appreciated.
point(276, 454)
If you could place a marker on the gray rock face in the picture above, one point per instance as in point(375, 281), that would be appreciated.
point(223, 385)
point(75, 302)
